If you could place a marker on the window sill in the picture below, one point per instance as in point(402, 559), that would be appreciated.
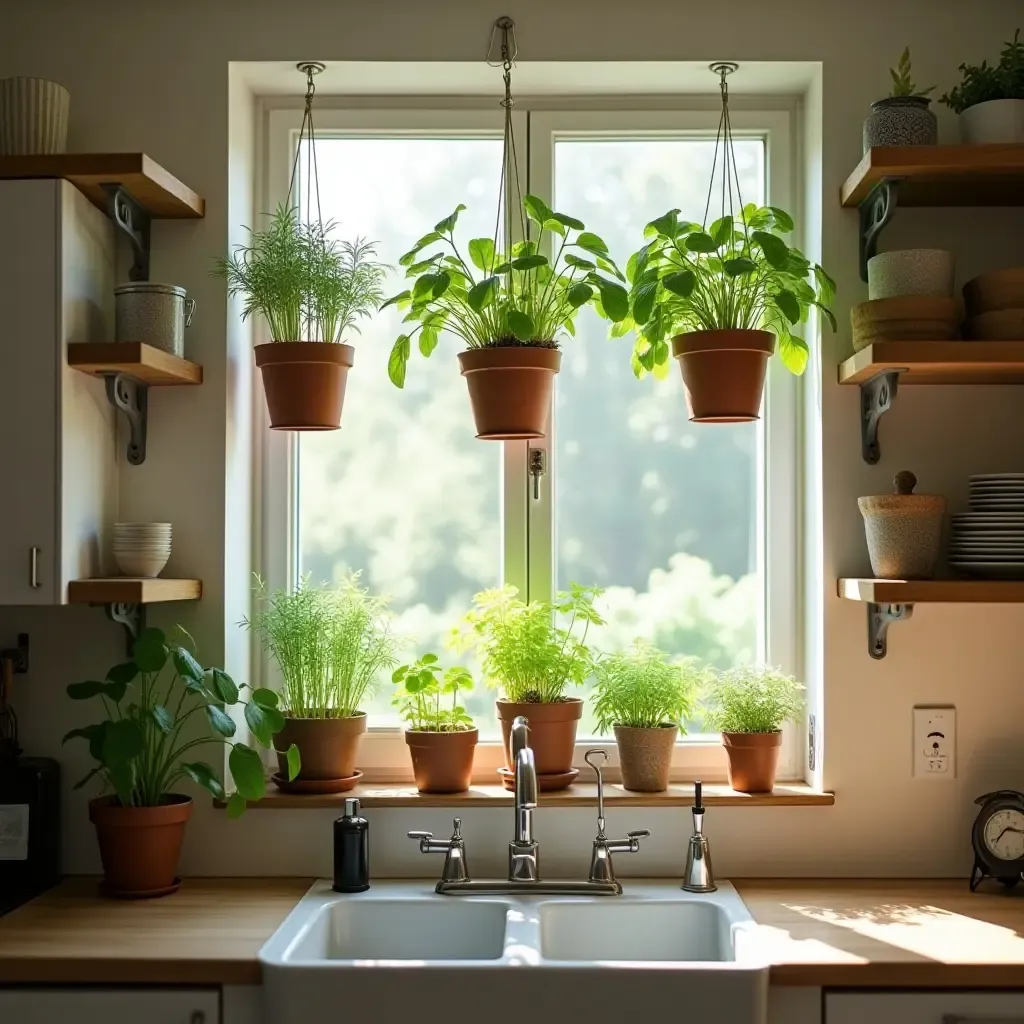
point(789, 794)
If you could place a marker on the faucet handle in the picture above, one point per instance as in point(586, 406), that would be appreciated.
point(640, 833)
point(422, 836)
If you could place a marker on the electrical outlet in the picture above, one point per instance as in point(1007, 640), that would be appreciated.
point(934, 741)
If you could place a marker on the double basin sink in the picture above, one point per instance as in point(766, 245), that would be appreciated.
point(399, 949)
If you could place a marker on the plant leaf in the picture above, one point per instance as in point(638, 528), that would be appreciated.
point(294, 761)
point(441, 283)
point(162, 717)
point(592, 243)
point(257, 718)
point(84, 691)
point(578, 261)
point(395, 299)
point(680, 283)
point(448, 224)
point(794, 352)
point(203, 775)
point(578, 294)
point(520, 324)
point(246, 769)
point(643, 302)
point(220, 720)
point(614, 298)
point(223, 686)
point(775, 250)
point(481, 252)
point(537, 210)
point(235, 806)
point(410, 257)
point(186, 665)
point(667, 224)
point(788, 304)
point(149, 651)
point(428, 340)
point(721, 230)
point(782, 219)
point(122, 741)
point(398, 360)
point(428, 264)
point(739, 265)
point(266, 698)
point(529, 262)
point(569, 222)
point(424, 285)
point(482, 293)
point(701, 241)
point(123, 673)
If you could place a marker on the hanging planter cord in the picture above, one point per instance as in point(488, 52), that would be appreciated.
point(724, 139)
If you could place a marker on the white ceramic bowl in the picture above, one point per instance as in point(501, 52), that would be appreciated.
point(911, 272)
point(140, 564)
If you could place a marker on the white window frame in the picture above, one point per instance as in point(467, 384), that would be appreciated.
point(528, 555)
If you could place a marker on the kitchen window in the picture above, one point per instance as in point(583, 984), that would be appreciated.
point(691, 529)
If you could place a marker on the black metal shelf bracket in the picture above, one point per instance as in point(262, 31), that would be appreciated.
point(876, 398)
point(132, 398)
point(134, 220)
point(876, 211)
point(880, 618)
point(131, 616)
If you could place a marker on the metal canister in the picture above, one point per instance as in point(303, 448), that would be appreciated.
point(154, 313)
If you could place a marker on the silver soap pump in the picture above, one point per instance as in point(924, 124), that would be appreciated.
point(698, 876)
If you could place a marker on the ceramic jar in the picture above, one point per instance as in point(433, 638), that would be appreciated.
point(911, 272)
point(904, 530)
point(154, 313)
point(992, 121)
point(33, 117)
point(900, 121)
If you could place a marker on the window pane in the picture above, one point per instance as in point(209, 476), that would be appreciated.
point(404, 492)
point(660, 511)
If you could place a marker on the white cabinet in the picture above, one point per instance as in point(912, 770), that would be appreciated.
point(58, 457)
point(924, 1008)
point(110, 1006)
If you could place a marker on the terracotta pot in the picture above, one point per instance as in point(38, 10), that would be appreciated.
point(753, 760)
point(140, 846)
point(552, 732)
point(304, 382)
point(645, 756)
point(442, 762)
point(510, 390)
point(724, 373)
point(327, 746)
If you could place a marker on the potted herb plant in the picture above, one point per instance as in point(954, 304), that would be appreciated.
point(643, 698)
point(508, 309)
point(532, 658)
point(331, 644)
point(903, 117)
point(990, 99)
point(440, 734)
point(723, 296)
point(312, 290)
point(749, 706)
point(140, 754)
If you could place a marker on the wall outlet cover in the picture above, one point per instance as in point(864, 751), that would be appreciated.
point(934, 741)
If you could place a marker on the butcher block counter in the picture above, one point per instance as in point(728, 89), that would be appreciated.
point(827, 933)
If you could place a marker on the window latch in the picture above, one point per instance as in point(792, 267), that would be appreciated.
point(538, 467)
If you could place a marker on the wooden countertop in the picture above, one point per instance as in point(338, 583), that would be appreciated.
point(828, 932)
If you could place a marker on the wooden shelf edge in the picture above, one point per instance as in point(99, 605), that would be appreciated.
point(866, 589)
point(145, 363)
point(127, 590)
point(937, 362)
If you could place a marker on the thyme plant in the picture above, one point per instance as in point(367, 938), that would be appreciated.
point(750, 699)
point(1004, 81)
point(428, 697)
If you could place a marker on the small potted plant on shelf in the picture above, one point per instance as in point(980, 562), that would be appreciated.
point(990, 99)
point(643, 698)
point(903, 117)
point(532, 658)
point(312, 291)
point(748, 706)
point(331, 644)
point(439, 732)
point(508, 309)
point(140, 755)
point(723, 296)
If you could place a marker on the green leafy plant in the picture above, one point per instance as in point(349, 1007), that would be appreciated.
point(308, 286)
point(641, 688)
point(139, 748)
point(750, 699)
point(526, 653)
point(428, 696)
point(492, 299)
point(902, 83)
point(1004, 81)
point(737, 274)
point(331, 644)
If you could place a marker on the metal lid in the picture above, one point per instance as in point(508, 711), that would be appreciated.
point(903, 500)
point(134, 287)
point(351, 808)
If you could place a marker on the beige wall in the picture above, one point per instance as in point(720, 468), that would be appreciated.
point(155, 77)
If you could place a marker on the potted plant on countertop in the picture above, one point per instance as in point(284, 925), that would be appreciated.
point(439, 732)
point(331, 644)
point(723, 296)
point(312, 291)
point(643, 698)
point(533, 659)
point(508, 309)
point(903, 117)
point(140, 755)
point(748, 706)
point(990, 100)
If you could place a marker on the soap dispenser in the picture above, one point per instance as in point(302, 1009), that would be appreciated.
point(698, 876)
point(351, 850)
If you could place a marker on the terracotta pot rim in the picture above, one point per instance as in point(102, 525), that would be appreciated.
point(752, 739)
point(433, 737)
point(176, 807)
point(728, 339)
point(557, 711)
point(272, 352)
point(521, 357)
point(538, 703)
point(335, 718)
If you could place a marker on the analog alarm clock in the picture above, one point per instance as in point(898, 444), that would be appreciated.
point(998, 838)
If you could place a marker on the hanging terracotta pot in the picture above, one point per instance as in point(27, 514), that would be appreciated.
point(442, 762)
point(510, 390)
point(327, 749)
point(304, 382)
point(645, 757)
point(140, 846)
point(753, 760)
point(724, 373)
point(552, 734)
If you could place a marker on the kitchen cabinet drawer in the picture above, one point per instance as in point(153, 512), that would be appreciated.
point(924, 1007)
point(110, 1006)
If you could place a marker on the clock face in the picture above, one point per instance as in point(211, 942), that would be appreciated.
point(1004, 834)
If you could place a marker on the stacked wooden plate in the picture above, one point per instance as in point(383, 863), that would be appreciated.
point(994, 304)
point(988, 541)
point(905, 318)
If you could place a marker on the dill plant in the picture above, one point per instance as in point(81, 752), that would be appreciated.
point(750, 699)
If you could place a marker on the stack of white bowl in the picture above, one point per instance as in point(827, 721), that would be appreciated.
point(142, 549)
point(989, 540)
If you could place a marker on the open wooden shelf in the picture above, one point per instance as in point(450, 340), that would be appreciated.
point(150, 185)
point(938, 362)
point(990, 175)
point(128, 590)
point(146, 364)
point(932, 591)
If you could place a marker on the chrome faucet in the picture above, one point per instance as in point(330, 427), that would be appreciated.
point(523, 850)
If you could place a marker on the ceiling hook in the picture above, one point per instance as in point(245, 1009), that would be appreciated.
point(509, 47)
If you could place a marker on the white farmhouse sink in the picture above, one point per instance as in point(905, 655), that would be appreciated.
point(399, 949)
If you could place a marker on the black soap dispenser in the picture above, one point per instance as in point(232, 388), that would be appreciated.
point(351, 850)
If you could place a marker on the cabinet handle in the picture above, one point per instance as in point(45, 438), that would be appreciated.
point(33, 568)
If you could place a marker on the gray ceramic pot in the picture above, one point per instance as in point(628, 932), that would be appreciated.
point(904, 530)
point(900, 121)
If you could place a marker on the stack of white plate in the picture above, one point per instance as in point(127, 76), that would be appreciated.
point(989, 540)
point(142, 549)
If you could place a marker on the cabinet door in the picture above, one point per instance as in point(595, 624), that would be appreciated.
point(28, 392)
point(924, 1007)
point(110, 1006)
